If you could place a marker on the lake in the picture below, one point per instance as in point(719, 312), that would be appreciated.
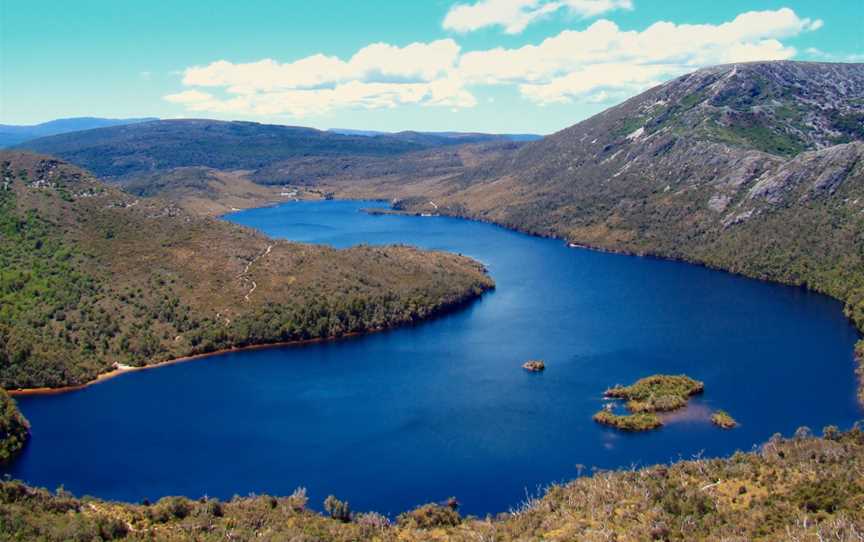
point(392, 420)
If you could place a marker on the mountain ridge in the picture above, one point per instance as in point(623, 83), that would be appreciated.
point(123, 152)
point(13, 134)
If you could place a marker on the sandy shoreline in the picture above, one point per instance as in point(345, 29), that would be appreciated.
point(123, 369)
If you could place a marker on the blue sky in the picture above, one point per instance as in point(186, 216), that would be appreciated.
point(481, 65)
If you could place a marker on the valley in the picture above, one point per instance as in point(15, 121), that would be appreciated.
point(114, 254)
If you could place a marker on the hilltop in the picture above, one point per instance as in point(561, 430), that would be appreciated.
point(454, 137)
point(91, 277)
point(12, 134)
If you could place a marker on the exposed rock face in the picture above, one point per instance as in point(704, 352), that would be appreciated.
point(726, 139)
point(819, 172)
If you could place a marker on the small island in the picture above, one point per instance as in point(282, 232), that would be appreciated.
point(647, 397)
point(643, 421)
point(722, 419)
point(534, 366)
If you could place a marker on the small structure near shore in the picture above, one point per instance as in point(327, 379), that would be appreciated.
point(534, 366)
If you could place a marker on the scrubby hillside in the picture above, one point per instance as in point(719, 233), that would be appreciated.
point(91, 277)
point(799, 489)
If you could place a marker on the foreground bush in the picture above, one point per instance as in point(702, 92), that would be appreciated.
point(804, 488)
point(428, 516)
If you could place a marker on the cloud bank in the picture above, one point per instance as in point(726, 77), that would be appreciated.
point(514, 15)
point(598, 64)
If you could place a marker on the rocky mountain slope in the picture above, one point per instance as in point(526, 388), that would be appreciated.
point(91, 277)
point(732, 132)
point(756, 168)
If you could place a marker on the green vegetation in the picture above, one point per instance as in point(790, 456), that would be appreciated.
point(640, 421)
point(14, 428)
point(657, 393)
point(803, 488)
point(430, 516)
point(41, 282)
point(135, 150)
point(722, 419)
point(752, 134)
point(646, 397)
point(91, 277)
point(163, 145)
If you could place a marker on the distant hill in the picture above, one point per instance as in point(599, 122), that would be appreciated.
point(133, 150)
point(11, 134)
point(445, 138)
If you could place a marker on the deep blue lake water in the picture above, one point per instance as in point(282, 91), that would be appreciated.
point(393, 420)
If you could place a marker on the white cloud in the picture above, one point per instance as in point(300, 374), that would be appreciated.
point(514, 15)
point(598, 83)
point(598, 64)
point(819, 54)
point(377, 76)
point(378, 62)
point(604, 58)
point(189, 97)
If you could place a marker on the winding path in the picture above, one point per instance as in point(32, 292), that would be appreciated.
point(242, 276)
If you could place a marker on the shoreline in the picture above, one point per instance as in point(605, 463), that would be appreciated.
point(568, 242)
point(120, 369)
point(124, 369)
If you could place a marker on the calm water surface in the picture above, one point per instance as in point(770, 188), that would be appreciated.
point(418, 414)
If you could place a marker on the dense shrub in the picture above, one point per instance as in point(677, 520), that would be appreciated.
point(429, 516)
point(14, 428)
point(169, 508)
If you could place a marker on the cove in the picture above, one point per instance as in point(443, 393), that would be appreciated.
point(392, 420)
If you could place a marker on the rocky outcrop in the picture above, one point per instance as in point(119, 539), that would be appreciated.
point(534, 366)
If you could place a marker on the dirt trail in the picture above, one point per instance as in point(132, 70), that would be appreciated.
point(242, 276)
